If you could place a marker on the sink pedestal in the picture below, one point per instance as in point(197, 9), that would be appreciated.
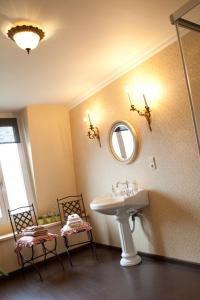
point(129, 254)
point(120, 207)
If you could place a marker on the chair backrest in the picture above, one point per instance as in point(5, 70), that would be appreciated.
point(22, 217)
point(71, 205)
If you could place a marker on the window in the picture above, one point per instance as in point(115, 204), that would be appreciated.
point(13, 192)
point(9, 132)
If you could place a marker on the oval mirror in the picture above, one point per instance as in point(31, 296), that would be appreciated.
point(123, 142)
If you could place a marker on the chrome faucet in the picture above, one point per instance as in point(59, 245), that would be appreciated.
point(127, 188)
point(122, 183)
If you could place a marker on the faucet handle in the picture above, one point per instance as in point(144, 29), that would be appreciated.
point(135, 185)
point(113, 189)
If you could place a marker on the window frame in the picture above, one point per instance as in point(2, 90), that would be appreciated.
point(4, 203)
point(3, 200)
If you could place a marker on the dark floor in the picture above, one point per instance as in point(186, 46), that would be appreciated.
point(92, 280)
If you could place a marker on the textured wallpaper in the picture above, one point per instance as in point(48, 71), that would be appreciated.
point(191, 49)
point(170, 226)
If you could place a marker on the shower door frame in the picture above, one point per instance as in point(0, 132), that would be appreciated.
point(177, 20)
point(183, 10)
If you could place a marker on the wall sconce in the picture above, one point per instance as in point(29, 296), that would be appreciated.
point(93, 132)
point(145, 113)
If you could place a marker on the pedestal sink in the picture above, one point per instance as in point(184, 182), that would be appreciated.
point(122, 207)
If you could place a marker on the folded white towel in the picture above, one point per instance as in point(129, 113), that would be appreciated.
point(76, 224)
point(74, 221)
point(35, 233)
point(73, 217)
point(34, 228)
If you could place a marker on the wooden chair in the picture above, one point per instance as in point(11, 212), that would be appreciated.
point(20, 219)
point(74, 205)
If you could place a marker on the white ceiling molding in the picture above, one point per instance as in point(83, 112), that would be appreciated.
point(122, 71)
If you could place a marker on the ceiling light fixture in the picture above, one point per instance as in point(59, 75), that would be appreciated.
point(27, 37)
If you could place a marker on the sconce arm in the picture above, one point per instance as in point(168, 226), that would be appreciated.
point(93, 133)
point(145, 113)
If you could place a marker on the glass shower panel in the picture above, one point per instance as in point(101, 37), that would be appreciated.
point(190, 41)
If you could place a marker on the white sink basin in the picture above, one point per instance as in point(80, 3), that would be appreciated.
point(110, 205)
point(122, 207)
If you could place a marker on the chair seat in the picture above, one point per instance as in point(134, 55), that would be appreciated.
point(29, 241)
point(67, 230)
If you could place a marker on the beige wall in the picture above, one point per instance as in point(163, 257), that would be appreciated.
point(170, 226)
point(50, 139)
point(46, 131)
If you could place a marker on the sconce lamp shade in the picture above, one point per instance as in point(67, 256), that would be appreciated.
point(27, 37)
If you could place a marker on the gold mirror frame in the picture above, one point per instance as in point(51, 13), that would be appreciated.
point(135, 140)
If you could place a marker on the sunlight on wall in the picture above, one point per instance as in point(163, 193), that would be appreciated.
point(96, 115)
point(13, 176)
point(152, 88)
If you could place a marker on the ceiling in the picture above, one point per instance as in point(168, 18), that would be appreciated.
point(88, 44)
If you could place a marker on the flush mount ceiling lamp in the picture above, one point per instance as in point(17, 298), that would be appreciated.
point(27, 37)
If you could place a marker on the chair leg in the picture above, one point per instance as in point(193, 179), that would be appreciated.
point(21, 262)
point(44, 252)
point(30, 261)
point(90, 237)
point(37, 270)
point(59, 258)
point(54, 251)
point(33, 263)
point(68, 252)
point(70, 258)
point(94, 250)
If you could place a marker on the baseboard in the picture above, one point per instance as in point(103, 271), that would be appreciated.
point(155, 257)
point(158, 257)
point(108, 246)
point(170, 259)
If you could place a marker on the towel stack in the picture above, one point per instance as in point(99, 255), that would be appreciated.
point(74, 221)
point(35, 231)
